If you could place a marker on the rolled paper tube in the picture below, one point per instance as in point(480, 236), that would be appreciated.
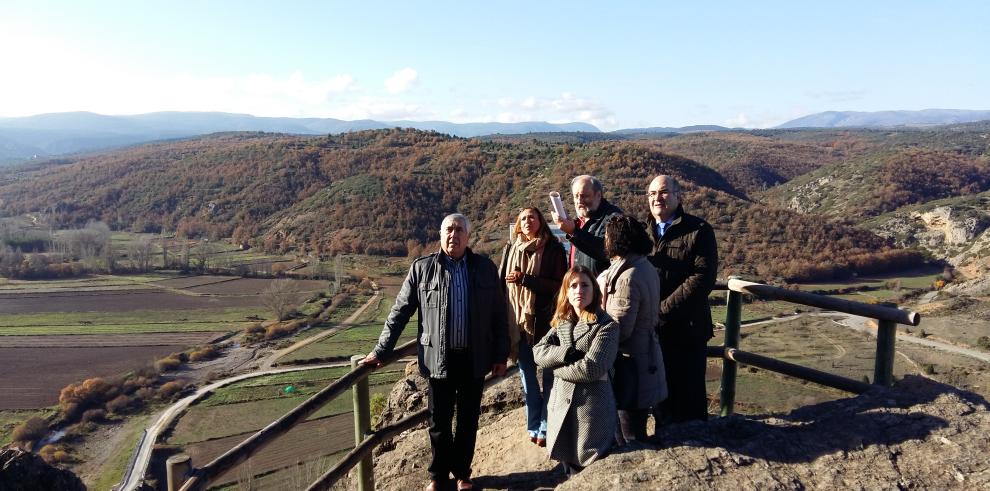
point(558, 205)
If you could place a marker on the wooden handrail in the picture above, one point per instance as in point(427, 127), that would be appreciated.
point(790, 369)
point(266, 435)
point(814, 300)
point(344, 465)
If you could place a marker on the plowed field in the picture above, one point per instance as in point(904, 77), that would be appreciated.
point(110, 340)
point(33, 377)
point(253, 286)
point(114, 301)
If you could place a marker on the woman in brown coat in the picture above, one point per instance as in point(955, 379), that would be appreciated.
point(532, 266)
point(632, 298)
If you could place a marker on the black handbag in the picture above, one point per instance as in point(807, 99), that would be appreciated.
point(625, 382)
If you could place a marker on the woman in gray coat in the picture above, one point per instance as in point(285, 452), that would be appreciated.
point(632, 297)
point(580, 349)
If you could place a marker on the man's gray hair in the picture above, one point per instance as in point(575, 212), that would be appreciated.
point(595, 183)
point(672, 185)
point(460, 218)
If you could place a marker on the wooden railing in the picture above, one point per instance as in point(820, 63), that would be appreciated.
point(366, 441)
point(887, 316)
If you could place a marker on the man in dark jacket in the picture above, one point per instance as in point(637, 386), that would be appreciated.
point(587, 232)
point(685, 254)
point(462, 336)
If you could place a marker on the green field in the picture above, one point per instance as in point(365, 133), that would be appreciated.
point(359, 339)
point(250, 405)
point(10, 418)
point(135, 322)
point(88, 283)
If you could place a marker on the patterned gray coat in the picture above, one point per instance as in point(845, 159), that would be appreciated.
point(633, 300)
point(581, 413)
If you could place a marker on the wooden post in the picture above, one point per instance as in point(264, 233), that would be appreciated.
point(177, 469)
point(733, 317)
point(362, 424)
point(883, 368)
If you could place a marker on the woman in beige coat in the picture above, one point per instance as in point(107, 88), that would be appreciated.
point(580, 349)
point(632, 298)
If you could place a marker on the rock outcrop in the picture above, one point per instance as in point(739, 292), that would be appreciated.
point(958, 233)
point(920, 434)
point(25, 471)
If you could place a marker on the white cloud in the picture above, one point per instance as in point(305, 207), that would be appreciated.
point(384, 109)
point(566, 108)
point(740, 120)
point(401, 81)
point(749, 120)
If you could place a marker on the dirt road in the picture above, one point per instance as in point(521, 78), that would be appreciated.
point(271, 359)
point(860, 324)
point(131, 481)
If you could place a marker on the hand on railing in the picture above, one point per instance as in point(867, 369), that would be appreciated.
point(498, 369)
point(371, 359)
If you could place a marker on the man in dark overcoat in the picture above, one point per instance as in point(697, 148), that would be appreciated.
point(685, 254)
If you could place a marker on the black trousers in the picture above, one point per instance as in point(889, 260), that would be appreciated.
point(687, 398)
point(459, 393)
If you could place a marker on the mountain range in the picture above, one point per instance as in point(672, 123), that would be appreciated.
point(925, 117)
point(53, 134)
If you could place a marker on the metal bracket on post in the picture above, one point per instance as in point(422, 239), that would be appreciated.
point(733, 318)
point(362, 426)
point(883, 368)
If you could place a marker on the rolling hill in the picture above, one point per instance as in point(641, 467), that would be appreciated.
point(383, 192)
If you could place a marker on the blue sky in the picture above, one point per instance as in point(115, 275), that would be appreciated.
point(614, 65)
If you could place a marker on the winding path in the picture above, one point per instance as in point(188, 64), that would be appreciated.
point(140, 467)
point(138, 470)
point(860, 324)
point(271, 359)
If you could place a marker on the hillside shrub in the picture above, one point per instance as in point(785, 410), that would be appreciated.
point(119, 404)
point(93, 416)
point(203, 353)
point(54, 454)
point(983, 342)
point(76, 398)
point(378, 402)
point(32, 430)
point(145, 393)
point(170, 389)
point(167, 364)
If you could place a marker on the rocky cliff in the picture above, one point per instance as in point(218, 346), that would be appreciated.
point(25, 471)
point(919, 434)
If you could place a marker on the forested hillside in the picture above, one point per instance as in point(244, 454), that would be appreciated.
point(383, 192)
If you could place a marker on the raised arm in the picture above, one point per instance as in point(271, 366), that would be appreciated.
point(588, 243)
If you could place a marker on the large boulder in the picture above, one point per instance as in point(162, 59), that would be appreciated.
point(919, 435)
point(25, 471)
